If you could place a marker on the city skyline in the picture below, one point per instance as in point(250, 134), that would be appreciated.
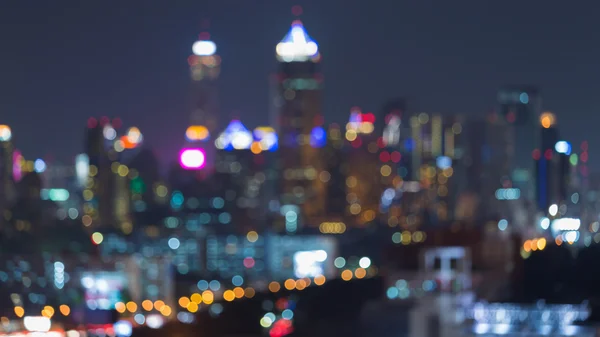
point(163, 74)
point(240, 167)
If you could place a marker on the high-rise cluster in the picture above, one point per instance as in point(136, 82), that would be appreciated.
point(298, 198)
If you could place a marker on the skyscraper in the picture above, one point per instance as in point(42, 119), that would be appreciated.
point(521, 108)
point(205, 67)
point(103, 150)
point(552, 164)
point(6, 171)
point(299, 124)
point(366, 182)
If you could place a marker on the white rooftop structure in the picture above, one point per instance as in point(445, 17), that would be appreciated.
point(297, 45)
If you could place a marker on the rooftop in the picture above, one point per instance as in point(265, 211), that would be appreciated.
point(297, 45)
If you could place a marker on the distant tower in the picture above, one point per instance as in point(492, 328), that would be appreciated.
point(103, 192)
point(521, 108)
point(299, 124)
point(205, 66)
point(97, 197)
point(552, 164)
point(6, 171)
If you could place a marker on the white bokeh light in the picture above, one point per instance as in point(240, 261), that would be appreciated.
point(192, 158)
point(109, 132)
point(5, 133)
point(204, 48)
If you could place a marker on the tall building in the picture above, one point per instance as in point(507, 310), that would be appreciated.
point(244, 165)
point(106, 194)
point(389, 122)
point(552, 165)
point(205, 67)
point(98, 205)
point(299, 125)
point(59, 184)
point(521, 108)
point(488, 170)
point(6, 173)
point(366, 182)
point(335, 174)
point(430, 153)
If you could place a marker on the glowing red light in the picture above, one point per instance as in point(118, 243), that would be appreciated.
point(356, 143)
point(548, 154)
point(584, 157)
point(104, 120)
point(368, 117)
point(281, 304)
point(249, 262)
point(282, 327)
point(126, 143)
point(536, 154)
point(511, 117)
point(396, 156)
point(92, 123)
point(318, 120)
point(117, 123)
point(192, 159)
point(380, 142)
point(384, 157)
point(297, 10)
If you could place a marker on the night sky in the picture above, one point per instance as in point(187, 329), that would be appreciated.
point(62, 64)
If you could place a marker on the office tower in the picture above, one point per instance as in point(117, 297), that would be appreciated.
point(335, 174)
point(582, 167)
point(521, 108)
point(299, 125)
point(389, 122)
point(429, 186)
point(147, 192)
point(6, 173)
point(59, 184)
point(104, 192)
point(244, 168)
point(366, 182)
point(96, 195)
point(550, 159)
point(205, 67)
point(485, 167)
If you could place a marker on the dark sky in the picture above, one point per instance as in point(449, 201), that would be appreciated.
point(63, 61)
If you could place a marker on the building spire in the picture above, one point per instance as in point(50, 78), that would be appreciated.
point(297, 45)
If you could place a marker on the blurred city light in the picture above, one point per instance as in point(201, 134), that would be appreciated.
point(197, 133)
point(297, 46)
point(204, 48)
point(563, 147)
point(192, 159)
point(5, 133)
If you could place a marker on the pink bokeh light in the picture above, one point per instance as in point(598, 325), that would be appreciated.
point(192, 159)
